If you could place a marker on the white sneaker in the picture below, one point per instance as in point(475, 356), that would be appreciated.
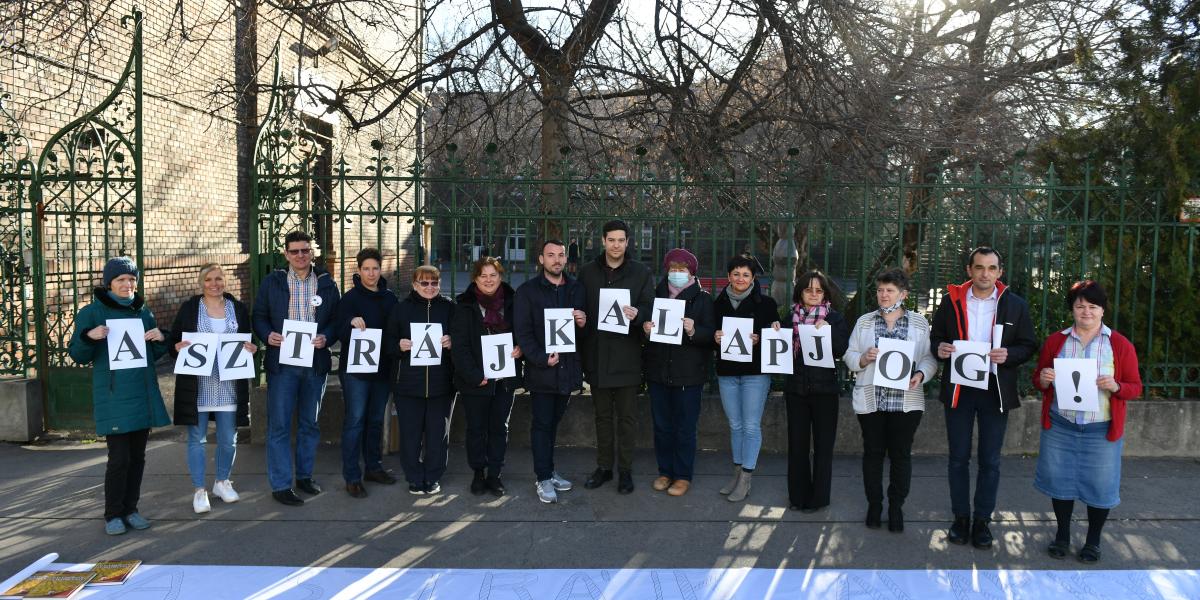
point(560, 483)
point(200, 502)
point(224, 490)
point(545, 491)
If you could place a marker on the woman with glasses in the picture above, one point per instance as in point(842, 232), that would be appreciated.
point(423, 395)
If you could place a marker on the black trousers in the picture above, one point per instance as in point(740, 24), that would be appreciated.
point(123, 473)
point(616, 413)
point(424, 425)
point(812, 431)
point(888, 434)
point(487, 428)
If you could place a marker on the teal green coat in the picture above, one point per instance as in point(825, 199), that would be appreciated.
point(125, 400)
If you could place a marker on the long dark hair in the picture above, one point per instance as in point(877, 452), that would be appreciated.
point(833, 294)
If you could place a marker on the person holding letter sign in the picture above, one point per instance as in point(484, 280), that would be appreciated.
point(612, 362)
point(364, 394)
point(981, 310)
point(676, 373)
point(889, 417)
point(199, 399)
point(297, 293)
point(550, 377)
point(744, 387)
point(811, 391)
point(424, 394)
point(1080, 457)
point(484, 309)
point(126, 403)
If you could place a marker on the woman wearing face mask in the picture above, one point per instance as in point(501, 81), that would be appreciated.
point(126, 403)
point(197, 399)
point(744, 387)
point(676, 374)
point(888, 417)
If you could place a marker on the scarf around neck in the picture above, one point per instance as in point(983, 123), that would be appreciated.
point(493, 307)
point(735, 299)
point(803, 316)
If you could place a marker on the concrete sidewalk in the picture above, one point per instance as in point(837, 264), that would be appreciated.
point(51, 501)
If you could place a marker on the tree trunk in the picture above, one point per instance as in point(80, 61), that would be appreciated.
point(554, 119)
point(245, 65)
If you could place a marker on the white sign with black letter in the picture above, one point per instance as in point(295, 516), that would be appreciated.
point(297, 348)
point(736, 345)
point(668, 321)
point(560, 330)
point(970, 365)
point(776, 356)
point(816, 345)
point(366, 345)
point(1075, 384)
point(126, 344)
point(233, 360)
point(894, 364)
point(612, 317)
point(498, 362)
point(426, 344)
point(197, 357)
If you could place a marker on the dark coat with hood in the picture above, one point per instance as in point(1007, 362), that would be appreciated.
point(613, 359)
point(418, 382)
point(374, 308)
point(187, 387)
point(533, 297)
point(688, 363)
point(466, 333)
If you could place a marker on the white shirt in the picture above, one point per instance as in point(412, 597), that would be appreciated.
point(981, 315)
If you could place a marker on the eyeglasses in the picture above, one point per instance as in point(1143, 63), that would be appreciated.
point(429, 283)
point(295, 251)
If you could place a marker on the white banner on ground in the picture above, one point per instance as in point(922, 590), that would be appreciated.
point(126, 344)
point(297, 349)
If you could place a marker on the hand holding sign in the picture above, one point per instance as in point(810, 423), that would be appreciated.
point(196, 358)
point(366, 345)
point(667, 319)
point(498, 361)
point(969, 364)
point(816, 345)
point(1075, 384)
point(894, 363)
point(126, 344)
point(426, 344)
point(612, 315)
point(776, 354)
point(559, 326)
point(736, 345)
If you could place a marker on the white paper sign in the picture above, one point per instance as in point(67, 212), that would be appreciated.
point(559, 327)
point(776, 355)
point(366, 346)
point(233, 361)
point(126, 344)
point(894, 365)
point(667, 317)
point(426, 344)
point(611, 317)
point(1075, 384)
point(498, 362)
point(197, 357)
point(736, 345)
point(997, 336)
point(816, 345)
point(970, 365)
point(297, 348)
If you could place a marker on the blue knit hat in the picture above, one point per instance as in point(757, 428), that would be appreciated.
point(118, 266)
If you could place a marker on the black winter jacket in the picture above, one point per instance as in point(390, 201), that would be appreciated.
point(614, 359)
point(533, 297)
point(410, 381)
point(374, 308)
point(466, 331)
point(757, 306)
point(806, 380)
point(187, 387)
point(688, 363)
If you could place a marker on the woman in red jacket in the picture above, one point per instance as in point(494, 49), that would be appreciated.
point(1080, 456)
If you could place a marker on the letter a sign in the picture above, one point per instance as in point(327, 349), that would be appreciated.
point(426, 344)
point(126, 344)
point(612, 318)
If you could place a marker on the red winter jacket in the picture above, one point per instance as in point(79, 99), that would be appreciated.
point(1125, 365)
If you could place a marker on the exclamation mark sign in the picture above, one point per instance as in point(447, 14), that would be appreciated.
point(1075, 377)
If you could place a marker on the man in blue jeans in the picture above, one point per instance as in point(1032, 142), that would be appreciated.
point(298, 293)
point(970, 312)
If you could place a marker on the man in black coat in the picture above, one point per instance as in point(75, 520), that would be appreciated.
point(969, 312)
point(612, 362)
point(549, 377)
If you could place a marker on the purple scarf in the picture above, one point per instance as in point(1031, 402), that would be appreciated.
point(800, 316)
point(493, 307)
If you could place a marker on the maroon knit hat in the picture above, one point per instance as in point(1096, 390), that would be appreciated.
point(679, 255)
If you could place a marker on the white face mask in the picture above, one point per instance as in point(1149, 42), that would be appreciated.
point(887, 310)
point(678, 279)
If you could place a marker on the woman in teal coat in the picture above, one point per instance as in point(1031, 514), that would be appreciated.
point(126, 403)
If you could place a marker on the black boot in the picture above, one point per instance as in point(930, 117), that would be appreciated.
point(960, 531)
point(895, 519)
point(478, 483)
point(874, 516)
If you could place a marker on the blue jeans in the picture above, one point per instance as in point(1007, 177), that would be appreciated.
point(675, 409)
point(292, 391)
point(226, 445)
point(960, 424)
point(744, 397)
point(365, 402)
